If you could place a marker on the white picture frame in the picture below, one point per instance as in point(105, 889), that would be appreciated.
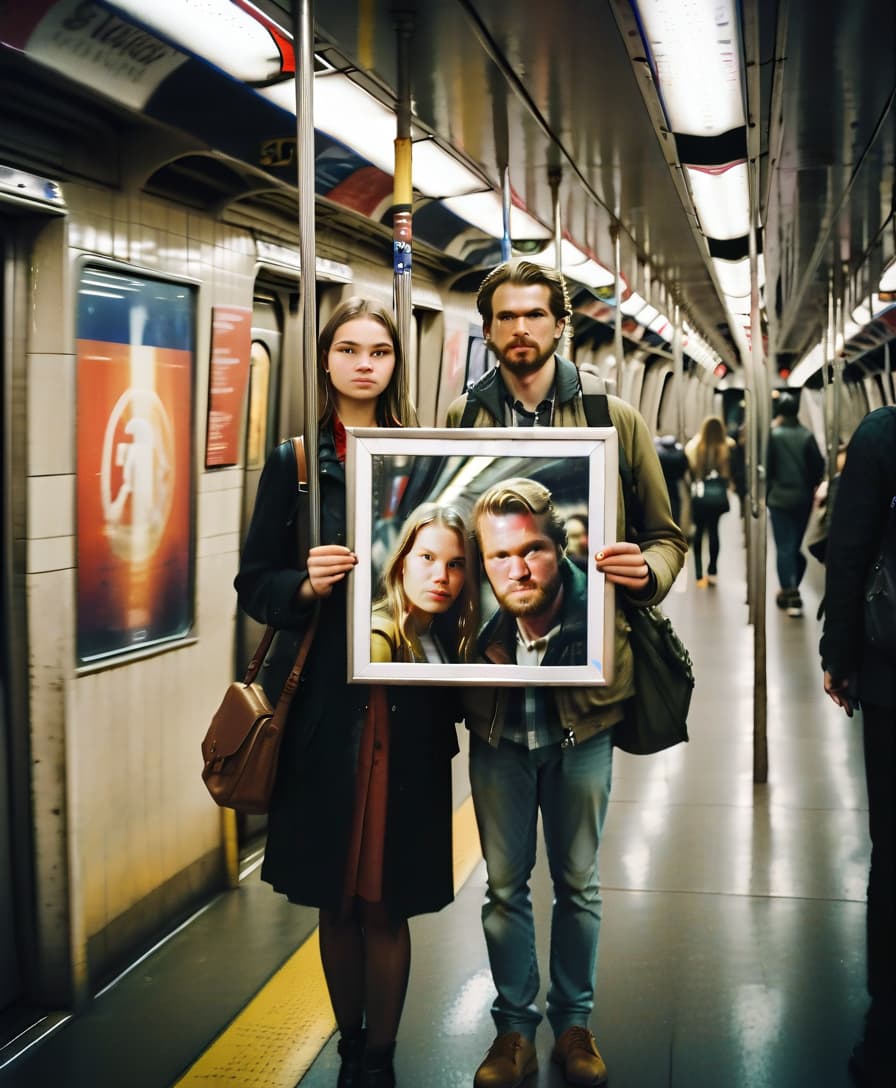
point(392, 471)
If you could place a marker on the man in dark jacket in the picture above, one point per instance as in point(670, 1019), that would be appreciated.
point(560, 765)
point(794, 469)
point(857, 672)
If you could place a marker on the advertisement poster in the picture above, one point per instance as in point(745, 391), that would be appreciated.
point(134, 495)
point(228, 378)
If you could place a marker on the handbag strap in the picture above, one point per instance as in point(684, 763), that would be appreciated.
point(298, 448)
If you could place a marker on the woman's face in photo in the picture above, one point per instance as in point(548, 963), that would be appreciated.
point(433, 571)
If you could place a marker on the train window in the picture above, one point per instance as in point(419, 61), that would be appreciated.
point(259, 384)
point(477, 356)
point(135, 366)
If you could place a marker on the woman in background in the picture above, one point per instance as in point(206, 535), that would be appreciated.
point(426, 610)
point(360, 818)
point(709, 461)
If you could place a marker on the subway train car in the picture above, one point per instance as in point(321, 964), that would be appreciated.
point(715, 181)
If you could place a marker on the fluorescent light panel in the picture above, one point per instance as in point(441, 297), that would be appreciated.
point(575, 263)
point(696, 52)
point(485, 211)
point(355, 118)
point(722, 199)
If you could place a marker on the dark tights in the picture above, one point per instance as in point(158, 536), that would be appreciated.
point(367, 961)
point(710, 524)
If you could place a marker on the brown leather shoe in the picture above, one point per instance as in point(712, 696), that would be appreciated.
point(511, 1058)
point(577, 1052)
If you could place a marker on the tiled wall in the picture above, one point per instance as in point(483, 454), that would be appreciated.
point(120, 809)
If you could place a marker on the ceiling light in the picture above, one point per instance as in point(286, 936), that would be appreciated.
point(576, 264)
point(484, 210)
point(633, 304)
point(734, 276)
point(722, 199)
point(355, 118)
point(695, 48)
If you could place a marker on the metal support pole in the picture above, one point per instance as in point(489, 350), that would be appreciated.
point(403, 194)
point(618, 348)
point(554, 175)
point(759, 551)
point(678, 370)
point(506, 246)
point(303, 22)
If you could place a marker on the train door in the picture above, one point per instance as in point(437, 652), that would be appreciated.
point(10, 976)
point(261, 435)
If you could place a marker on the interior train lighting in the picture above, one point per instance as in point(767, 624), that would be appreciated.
point(484, 210)
point(722, 199)
point(345, 111)
point(574, 263)
point(695, 49)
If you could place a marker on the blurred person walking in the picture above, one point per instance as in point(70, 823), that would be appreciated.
point(794, 469)
point(709, 459)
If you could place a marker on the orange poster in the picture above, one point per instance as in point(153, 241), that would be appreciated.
point(134, 480)
point(228, 378)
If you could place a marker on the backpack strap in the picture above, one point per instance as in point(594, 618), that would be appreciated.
point(302, 536)
point(298, 448)
point(597, 412)
point(471, 410)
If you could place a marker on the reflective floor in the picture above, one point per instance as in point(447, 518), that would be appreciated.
point(732, 944)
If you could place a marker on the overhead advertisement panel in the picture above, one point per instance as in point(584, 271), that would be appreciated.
point(86, 40)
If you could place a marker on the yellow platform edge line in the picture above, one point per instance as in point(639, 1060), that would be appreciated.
point(275, 1039)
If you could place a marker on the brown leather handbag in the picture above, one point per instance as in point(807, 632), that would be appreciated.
point(240, 749)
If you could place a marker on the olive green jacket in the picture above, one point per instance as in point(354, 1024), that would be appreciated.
point(588, 710)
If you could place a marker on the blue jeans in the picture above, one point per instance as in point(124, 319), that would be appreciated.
point(788, 529)
point(571, 788)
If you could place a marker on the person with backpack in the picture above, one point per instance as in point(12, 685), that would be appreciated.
point(550, 750)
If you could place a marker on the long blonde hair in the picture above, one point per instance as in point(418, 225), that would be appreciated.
point(456, 627)
point(712, 452)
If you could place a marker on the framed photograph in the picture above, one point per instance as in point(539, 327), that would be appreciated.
point(475, 562)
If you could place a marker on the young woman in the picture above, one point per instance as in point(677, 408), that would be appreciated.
point(426, 610)
point(360, 819)
point(709, 459)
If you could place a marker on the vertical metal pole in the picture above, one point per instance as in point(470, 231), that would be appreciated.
point(303, 22)
point(554, 175)
point(827, 370)
point(403, 194)
point(760, 405)
point(506, 247)
point(618, 349)
point(678, 372)
point(839, 367)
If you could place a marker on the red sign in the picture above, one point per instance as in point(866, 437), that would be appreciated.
point(228, 378)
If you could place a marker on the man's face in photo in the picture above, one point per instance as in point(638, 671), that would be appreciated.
point(521, 562)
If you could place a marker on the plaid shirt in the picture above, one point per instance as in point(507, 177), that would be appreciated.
point(531, 718)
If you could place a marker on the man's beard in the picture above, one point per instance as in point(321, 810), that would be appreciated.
point(542, 600)
point(523, 368)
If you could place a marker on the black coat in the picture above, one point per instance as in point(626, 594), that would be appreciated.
point(861, 508)
point(310, 818)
